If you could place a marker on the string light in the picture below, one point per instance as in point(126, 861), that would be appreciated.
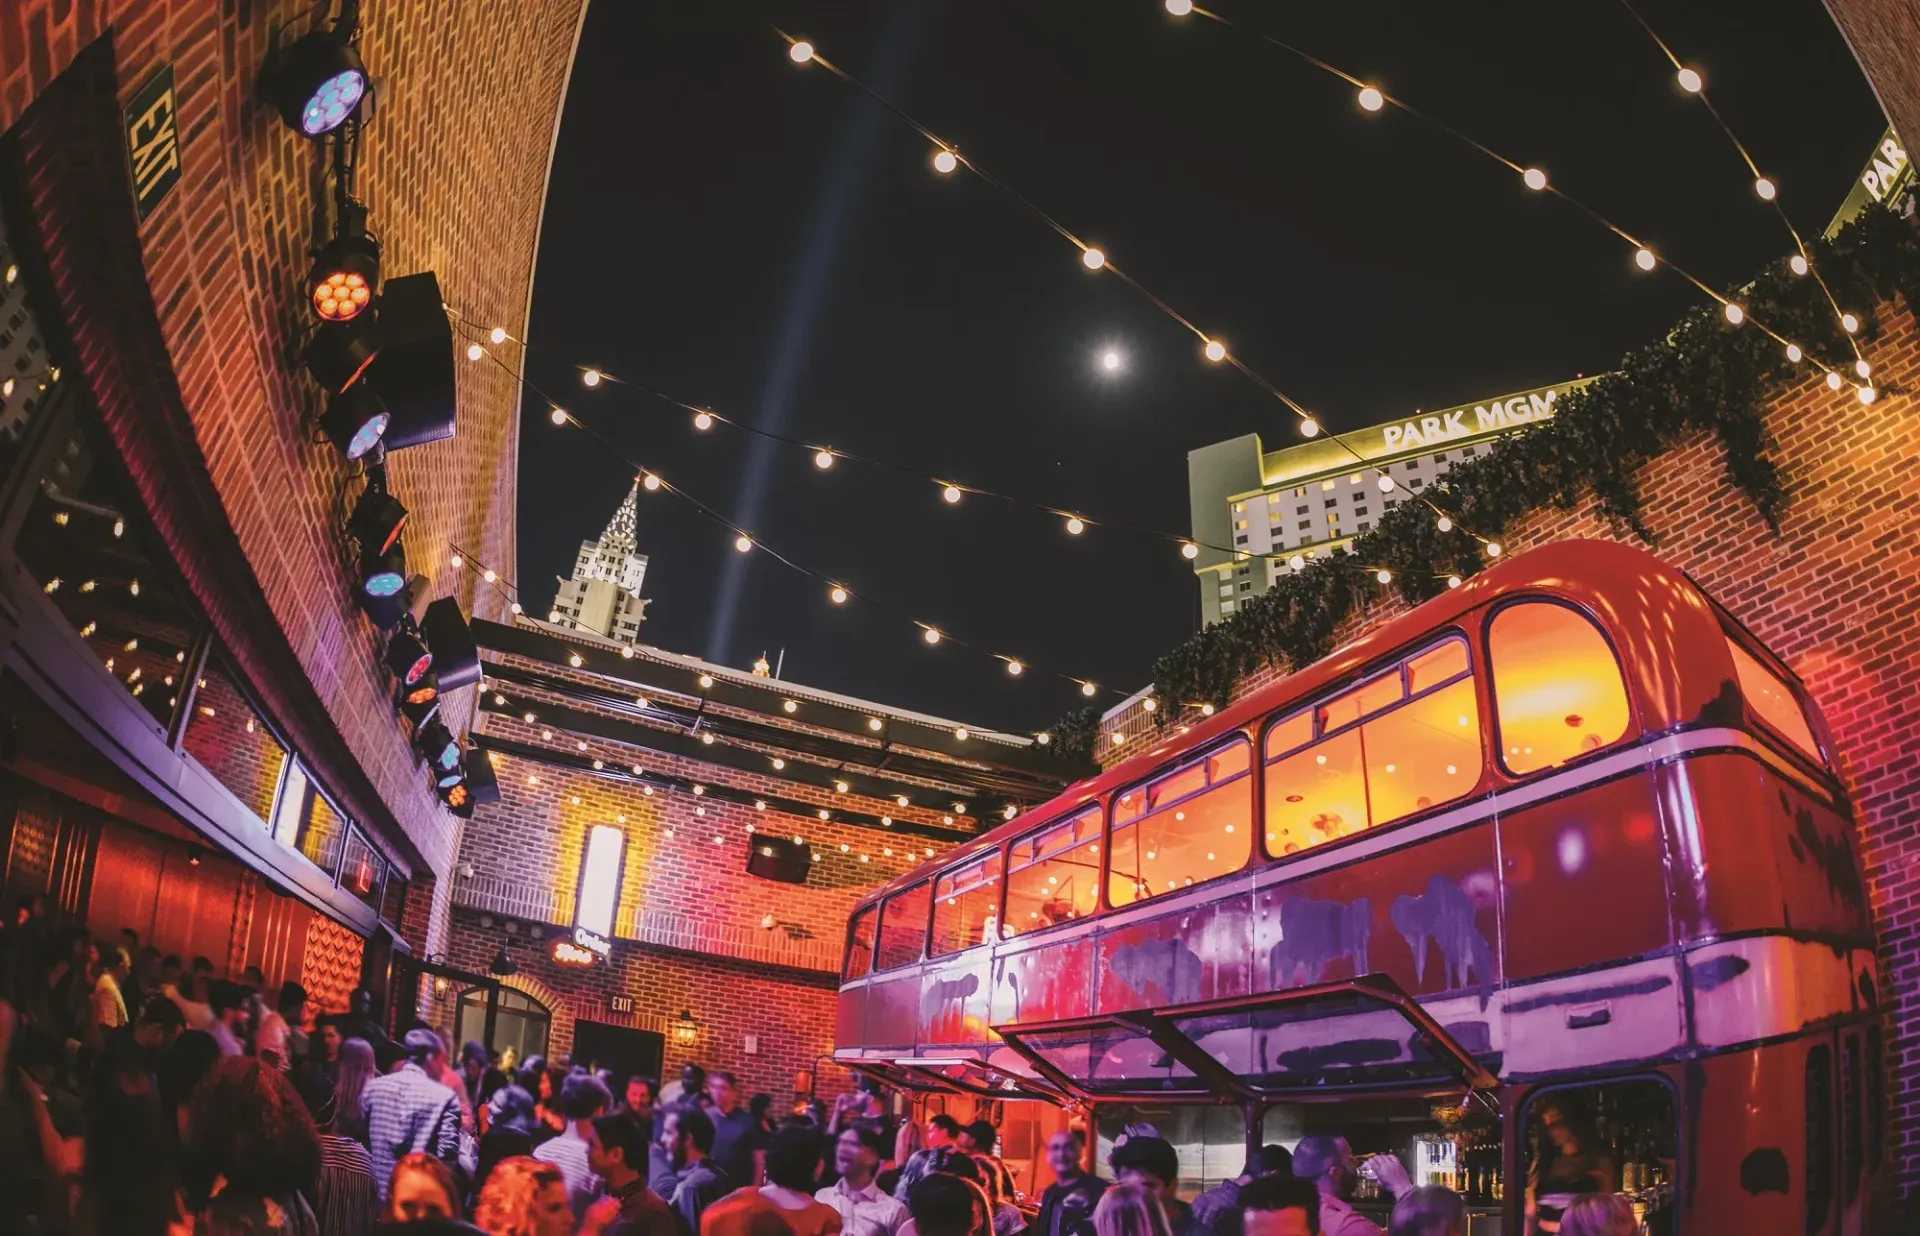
point(962, 734)
point(1453, 581)
point(558, 416)
point(1493, 549)
point(1383, 575)
point(498, 334)
point(703, 420)
point(1735, 314)
point(875, 724)
point(1075, 525)
point(1298, 562)
point(1093, 259)
point(791, 706)
point(475, 351)
point(800, 52)
point(951, 493)
point(823, 458)
point(1834, 381)
point(1087, 688)
point(590, 377)
point(1534, 179)
point(1794, 353)
point(456, 562)
point(1215, 350)
point(1689, 81)
point(1868, 394)
point(1444, 523)
point(1179, 8)
point(1798, 264)
point(1765, 189)
point(1371, 100)
point(1644, 259)
point(1849, 323)
point(1309, 427)
point(743, 542)
point(650, 482)
point(1862, 368)
point(1386, 483)
point(1043, 738)
point(1189, 550)
point(837, 595)
point(945, 162)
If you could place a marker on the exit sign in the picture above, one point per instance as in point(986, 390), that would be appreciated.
point(153, 142)
point(620, 1004)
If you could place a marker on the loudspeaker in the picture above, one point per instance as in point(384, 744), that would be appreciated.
point(482, 785)
point(456, 658)
point(413, 371)
point(778, 858)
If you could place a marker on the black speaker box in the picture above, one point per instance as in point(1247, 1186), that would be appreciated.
point(413, 371)
point(778, 858)
point(456, 658)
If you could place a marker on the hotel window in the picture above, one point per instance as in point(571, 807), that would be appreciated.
point(1306, 525)
point(1557, 688)
point(1415, 483)
point(1394, 745)
point(1246, 585)
point(227, 736)
point(1331, 503)
point(1053, 875)
point(1184, 827)
point(903, 927)
point(1354, 479)
point(860, 944)
point(1302, 510)
point(1324, 485)
point(966, 904)
point(1773, 701)
point(1359, 510)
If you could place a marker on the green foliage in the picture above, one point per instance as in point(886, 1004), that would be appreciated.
point(1705, 375)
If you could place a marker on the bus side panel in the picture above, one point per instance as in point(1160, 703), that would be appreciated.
point(1426, 916)
point(953, 999)
point(850, 1018)
point(1198, 953)
point(1043, 984)
point(892, 1005)
point(1757, 1159)
point(1752, 852)
point(1582, 879)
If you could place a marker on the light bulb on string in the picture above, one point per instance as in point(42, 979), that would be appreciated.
point(558, 416)
point(930, 635)
point(1868, 394)
point(945, 162)
point(951, 494)
point(1179, 8)
point(1735, 314)
point(703, 420)
point(1093, 259)
point(1453, 581)
point(1834, 381)
point(837, 595)
point(591, 377)
point(800, 52)
point(1087, 688)
point(1798, 264)
point(1534, 179)
point(1492, 548)
point(456, 562)
point(1690, 81)
point(1075, 525)
point(1444, 524)
point(650, 482)
point(1014, 668)
point(1297, 563)
point(1794, 353)
point(1386, 483)
point(1862, 368)
point(743, 542)
point(1189, 550)
point(1111, 361)
point(490, 575)
point(1644, 259)
point(1765, 189)
point(498, 334)
point(1216, 351)
point(1309, 427)
point(1849, 323)
point(1383, 575)
point(823, 458)
point(1371, 100)
point(475, 351)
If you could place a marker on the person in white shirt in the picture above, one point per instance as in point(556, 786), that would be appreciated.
point(229, 1003)
point(864, 1209)
point(278, 1038)
point(109, 1006)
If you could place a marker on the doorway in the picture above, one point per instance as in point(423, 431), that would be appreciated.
point(510, 1024)
point(621, 1050)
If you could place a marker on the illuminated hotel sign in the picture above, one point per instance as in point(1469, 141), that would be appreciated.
point(1469, 421)
point(1883, 181)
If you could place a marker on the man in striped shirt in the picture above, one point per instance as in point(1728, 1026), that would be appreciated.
point(407, 1110)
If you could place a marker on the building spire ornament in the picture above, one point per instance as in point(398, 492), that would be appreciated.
point(603, 595)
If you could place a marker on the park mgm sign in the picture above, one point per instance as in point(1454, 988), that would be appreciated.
point(1883, 182)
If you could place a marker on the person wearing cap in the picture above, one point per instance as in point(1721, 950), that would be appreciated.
point(408, 1110)
point(1219, 1207)
point(864, 1210)
point(1151, 1163)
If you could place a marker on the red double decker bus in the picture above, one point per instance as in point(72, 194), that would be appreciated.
point(1547, 886)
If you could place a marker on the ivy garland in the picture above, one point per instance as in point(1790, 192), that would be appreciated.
point(1705, 375)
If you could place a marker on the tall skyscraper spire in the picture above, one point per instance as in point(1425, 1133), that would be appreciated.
point(604, 594)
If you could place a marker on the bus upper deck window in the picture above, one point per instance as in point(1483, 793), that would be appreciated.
point(1557, 689)
point(860, 944)
point(1053, 875)
point(965, 905)
point(1773, 701)
point(1195, 823)
point(903, 927)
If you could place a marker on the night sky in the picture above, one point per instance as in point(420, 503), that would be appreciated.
point(758, 237)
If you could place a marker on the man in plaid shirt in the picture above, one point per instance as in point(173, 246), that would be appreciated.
point(407, 1110)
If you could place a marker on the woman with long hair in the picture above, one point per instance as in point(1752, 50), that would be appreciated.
point(422, 1187)
point(356, 1070)
point(998, 1183)
point(524, 1197)
point(255, 1142)
point(1129, 1210)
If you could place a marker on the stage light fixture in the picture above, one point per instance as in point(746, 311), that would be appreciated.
point(413, 362)
point(378, 516)
point(355, 421)
point(340, 352)
point(383, 586)
point(482, 785)
point(418, 711)
point(408, 657)
point(316, 82)
point(435, 742)
point(346, 270)
point(456, 657)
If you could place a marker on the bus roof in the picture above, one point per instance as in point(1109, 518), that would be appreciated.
point(1585, 567)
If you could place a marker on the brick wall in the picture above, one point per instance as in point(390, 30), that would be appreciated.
point(202, 386)
point(789, 1015)
point(1883, 35)
point(1834, 593)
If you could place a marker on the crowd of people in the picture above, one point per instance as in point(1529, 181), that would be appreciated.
point(147, 1098)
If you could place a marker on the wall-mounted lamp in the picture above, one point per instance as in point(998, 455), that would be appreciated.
point(685, 1028)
